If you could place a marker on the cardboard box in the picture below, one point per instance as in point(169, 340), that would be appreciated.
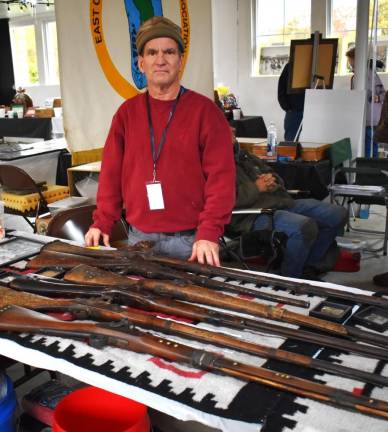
point(314, 151)
point(79, 172)
point(289, 149)
point(44, 112)
point(256, 146)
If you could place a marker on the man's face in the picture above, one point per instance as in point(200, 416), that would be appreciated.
point(161, 62)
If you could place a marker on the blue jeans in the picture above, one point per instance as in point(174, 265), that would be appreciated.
point(292, 122)
point(368, 142)
point(178, 246)
point(311, 227)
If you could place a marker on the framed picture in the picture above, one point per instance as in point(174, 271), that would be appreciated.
point(373, 317)
point(301, 58)
point(331, 311)
point(273, 59)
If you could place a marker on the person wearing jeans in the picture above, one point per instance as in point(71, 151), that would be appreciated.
point(310, 225)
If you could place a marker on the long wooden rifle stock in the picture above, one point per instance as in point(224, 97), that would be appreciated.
point(211, 271)
point(17, 319)
point(151, 302)
point(100, 311)
point(86, 274)
point(139, 266)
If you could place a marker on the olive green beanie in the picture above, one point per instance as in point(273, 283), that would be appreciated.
point(157, 27)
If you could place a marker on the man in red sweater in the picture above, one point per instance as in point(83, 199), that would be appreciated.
point(168, 159)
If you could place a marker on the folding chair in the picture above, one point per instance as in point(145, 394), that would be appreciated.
point(265, 243)
point(73, 224)
point(24, 197)
point(366, 183)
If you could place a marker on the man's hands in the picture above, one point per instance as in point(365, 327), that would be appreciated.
point(92, 237)
point(265, 182)
point(206, 252)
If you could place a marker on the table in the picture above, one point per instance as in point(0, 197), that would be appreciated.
point(38, 159)
point(188, 394)
point(249, 126)
point(26, 127)
point(313, 176)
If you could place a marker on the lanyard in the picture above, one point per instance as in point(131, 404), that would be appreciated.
point(156, 154)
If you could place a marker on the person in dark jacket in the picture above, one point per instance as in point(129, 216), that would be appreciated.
point(310, 225)
point(292, 104)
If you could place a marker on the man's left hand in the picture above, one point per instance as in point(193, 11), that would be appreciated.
point(206, 252)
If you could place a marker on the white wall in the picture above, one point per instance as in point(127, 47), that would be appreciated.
point(40, 93)
point(233, 61)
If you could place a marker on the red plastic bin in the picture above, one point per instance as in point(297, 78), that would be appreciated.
point(91, 409)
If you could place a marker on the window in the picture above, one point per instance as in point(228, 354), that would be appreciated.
point(343, 27)
point(34, 50)
point(24, 54)
point(275, 24)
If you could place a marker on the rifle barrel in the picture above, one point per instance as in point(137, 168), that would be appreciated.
point(139, 266)
point(17, 319)
point(212, 271)
point(155, 303)
point(86, 274)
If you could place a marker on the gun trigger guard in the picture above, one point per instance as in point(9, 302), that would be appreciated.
point(123, 324)
point(98, 341)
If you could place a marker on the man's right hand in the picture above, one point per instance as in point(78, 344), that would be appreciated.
point(265, 182)
point(92, 237)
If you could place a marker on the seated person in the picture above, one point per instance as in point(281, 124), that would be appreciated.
point(310, 225)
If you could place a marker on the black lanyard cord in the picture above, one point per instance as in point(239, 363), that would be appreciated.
point(156, 154)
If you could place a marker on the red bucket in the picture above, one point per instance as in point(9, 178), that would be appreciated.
point(96, 410)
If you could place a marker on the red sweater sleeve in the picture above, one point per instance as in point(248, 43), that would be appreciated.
point(109, 194)
point(219, 171)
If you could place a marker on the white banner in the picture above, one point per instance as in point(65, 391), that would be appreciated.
point(97, 59)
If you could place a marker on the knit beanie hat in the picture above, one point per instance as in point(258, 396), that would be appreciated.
point(157, 27)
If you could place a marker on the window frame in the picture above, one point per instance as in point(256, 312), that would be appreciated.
point(40, 23)
point(254, 38)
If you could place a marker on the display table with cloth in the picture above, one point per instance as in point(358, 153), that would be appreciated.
point(217, 401)
point(312, 176)
point(28, 202)
point(249, 126)
point(26, 127)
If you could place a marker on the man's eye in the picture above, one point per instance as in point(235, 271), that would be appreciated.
point(170, 51)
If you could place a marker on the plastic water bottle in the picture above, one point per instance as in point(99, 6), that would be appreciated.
point(272, 140)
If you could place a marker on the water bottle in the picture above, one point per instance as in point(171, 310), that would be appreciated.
point(271, 140)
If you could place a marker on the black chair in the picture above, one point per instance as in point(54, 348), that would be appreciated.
point(73, 224)
point(243, 248)
point(364, 181)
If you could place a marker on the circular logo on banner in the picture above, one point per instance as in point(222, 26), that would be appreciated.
point(145, 10)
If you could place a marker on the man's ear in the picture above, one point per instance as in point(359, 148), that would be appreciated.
point(140, 62)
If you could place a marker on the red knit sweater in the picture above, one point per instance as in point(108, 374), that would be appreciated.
point(196, 168)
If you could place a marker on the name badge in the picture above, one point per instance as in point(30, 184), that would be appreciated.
point(155, 196)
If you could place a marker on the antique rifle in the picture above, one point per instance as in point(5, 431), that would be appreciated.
point(139, 266)
point(101, 311)
point(125, 336)
point(151, 302)
point(86, 274)
point(123, 255)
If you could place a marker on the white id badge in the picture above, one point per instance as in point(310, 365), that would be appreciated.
point(155, 196)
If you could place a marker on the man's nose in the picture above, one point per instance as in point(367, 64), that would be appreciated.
point(160, 57)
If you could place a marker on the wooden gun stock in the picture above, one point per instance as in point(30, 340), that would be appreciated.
point(86, 274)
point(16, 319)
point(139, 266)
point(151, 302)
point(97, 310)
point(211, 271)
